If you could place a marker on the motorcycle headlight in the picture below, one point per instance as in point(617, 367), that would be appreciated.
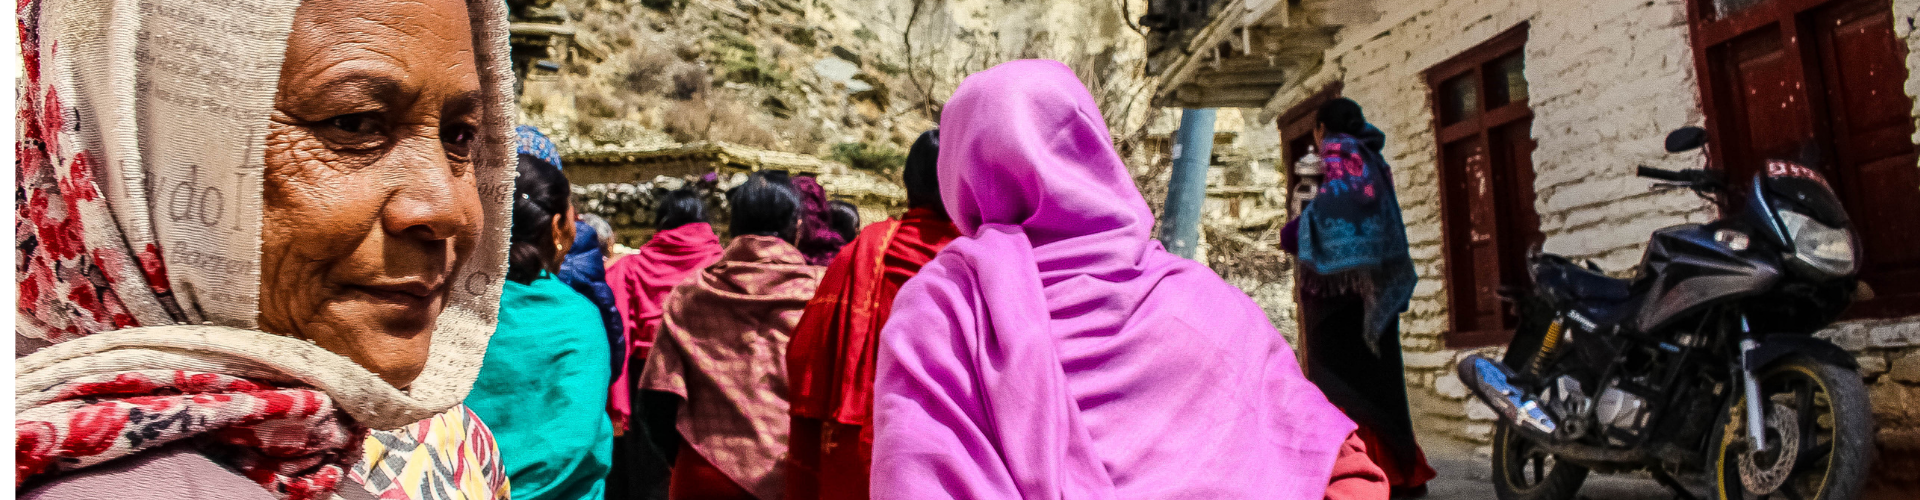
point(1823, 248)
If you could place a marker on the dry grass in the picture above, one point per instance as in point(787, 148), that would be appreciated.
point(733, 122)
point(724, 121)
point(687, 121)
point(647, 70)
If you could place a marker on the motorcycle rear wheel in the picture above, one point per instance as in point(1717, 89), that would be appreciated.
point(1523, 471)
point(1816, 412)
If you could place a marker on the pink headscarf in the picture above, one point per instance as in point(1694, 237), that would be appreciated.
point(1055, 351)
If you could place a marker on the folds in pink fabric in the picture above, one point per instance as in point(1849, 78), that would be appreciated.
point(640, 284)
point(1056, 352)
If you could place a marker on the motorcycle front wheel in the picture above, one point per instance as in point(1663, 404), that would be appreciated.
point(1819, 431)
point(1524, 471)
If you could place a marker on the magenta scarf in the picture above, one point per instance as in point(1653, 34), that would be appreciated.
point(1054, 351)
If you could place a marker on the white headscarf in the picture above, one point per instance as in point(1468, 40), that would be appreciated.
point(142, 137)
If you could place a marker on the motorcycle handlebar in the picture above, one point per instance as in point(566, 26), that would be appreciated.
point(1665, 175)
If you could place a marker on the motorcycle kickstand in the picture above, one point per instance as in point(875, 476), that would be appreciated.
point(1680, 491)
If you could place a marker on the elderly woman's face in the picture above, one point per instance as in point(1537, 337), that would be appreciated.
point(371, 202)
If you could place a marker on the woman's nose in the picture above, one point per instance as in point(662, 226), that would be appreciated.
point(432, 203)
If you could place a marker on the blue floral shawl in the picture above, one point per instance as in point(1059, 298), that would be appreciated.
point(1352, 235)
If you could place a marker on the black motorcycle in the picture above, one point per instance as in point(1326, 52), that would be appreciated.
point(1701, 368)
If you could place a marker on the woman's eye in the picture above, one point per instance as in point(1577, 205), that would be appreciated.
point(458, 138)
point(355, 131)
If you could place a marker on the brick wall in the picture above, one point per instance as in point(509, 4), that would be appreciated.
point(1607, 80)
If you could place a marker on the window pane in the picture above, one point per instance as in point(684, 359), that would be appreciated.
point(1459, 99)
point(1509, 83)
point(1724, 8)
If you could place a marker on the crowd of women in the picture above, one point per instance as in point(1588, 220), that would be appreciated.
point(296, 249)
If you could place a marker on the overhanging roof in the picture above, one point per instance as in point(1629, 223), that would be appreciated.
point(1247, 51)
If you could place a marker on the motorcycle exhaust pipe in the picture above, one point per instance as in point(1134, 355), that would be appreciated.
point(1489, 381)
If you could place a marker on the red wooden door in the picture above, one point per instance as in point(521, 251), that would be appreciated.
point(1473, 234)
point(1872, 162)
point(1823, 81)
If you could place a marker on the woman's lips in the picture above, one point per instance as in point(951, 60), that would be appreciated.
point(411, 294)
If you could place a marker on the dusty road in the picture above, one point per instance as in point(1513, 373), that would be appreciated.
point(1466, 475)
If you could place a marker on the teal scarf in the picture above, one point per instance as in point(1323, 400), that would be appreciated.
point(543, 392)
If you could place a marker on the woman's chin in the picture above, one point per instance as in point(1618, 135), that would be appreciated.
point(390, 341)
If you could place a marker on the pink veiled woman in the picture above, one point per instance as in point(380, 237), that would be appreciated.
point(1054, 351)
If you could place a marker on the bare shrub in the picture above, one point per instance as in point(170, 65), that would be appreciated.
point(733, 122)
point(691, 82)
point(597, 104)
point(687, 121)
point(647, 70)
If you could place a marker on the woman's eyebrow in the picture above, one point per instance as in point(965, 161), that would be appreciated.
point(462, 103)
point(360, 84)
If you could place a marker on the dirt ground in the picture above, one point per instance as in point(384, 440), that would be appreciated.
point(1465, 473)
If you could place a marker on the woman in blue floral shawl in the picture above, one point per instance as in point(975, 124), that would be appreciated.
point(1357, 278)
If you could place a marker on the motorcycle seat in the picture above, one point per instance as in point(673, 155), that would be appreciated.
point(1563, 277)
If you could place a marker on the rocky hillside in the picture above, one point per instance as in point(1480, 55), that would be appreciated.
point(849, 80)
point(855, 81)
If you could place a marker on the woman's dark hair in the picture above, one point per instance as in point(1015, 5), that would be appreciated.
point(845, 219)
point(1342, 115)
point(678, 208)
point(539, 194)
point(765, 205)
point(921, 176)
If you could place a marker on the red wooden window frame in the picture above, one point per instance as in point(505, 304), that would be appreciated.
point(1813, 86)
point(1489, 147)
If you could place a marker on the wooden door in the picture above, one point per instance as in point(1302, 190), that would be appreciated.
point(1822, 82)
point(1872, 162)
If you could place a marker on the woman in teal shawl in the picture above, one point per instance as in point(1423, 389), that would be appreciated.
point(543, 387)
point(1357, 277)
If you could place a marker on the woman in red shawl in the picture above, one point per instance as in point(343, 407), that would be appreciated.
point(684, 245)
point(831, 361)
point(722, 348)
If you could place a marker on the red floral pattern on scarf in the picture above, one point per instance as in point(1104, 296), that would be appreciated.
point(293, 441)
point(66, 288)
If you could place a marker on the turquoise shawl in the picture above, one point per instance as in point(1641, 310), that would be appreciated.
point(543, 391)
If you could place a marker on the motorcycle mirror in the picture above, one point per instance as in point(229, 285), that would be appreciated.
point(1686, 139)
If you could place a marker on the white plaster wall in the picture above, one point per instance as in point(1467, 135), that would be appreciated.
point(1607, 79)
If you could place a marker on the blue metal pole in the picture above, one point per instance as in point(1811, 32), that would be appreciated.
point(1187, 189)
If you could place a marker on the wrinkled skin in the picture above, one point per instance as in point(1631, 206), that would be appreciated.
point(371, 199)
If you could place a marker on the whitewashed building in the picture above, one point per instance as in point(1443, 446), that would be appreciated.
point(1515, 123)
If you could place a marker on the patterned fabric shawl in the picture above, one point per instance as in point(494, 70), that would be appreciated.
point(141, 150)
point(723, 349)
point(1352, 236)
point(640, 284)
point(451, 456)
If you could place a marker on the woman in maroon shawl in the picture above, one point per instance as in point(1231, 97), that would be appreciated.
point(722, 348)
point(684, 245)
point(831, 361)
point(817, 239)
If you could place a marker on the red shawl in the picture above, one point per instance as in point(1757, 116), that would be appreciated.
point(831, 360)
point(640, 284)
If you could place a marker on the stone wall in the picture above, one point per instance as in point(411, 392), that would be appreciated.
point(1607, 79)
point(1894, 346)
